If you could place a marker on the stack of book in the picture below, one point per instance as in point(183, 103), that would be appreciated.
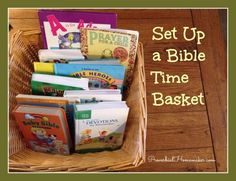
point(76, 102)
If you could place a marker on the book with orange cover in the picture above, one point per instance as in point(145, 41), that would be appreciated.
point(44, 129)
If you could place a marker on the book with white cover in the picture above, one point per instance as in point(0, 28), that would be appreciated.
point(53, 85)
point(91, 96)
point(100, 126)
point(60, 55)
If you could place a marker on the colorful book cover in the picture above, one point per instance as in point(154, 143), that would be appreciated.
point(96, 129)
point(52, 85)
point(111, 43)
point(61, 28)
point(44, 129)
point(100, 76)
point(44, 68)
point(50, 101)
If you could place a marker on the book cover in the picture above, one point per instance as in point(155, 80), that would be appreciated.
point(100, 76)
point(111, 43)
point(44, 68)
point(52, 85)
point(44, 129)
point(61, 28)
point(96, 129)
point(50, 101)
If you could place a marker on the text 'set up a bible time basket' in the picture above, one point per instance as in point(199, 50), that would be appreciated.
point(22, 53)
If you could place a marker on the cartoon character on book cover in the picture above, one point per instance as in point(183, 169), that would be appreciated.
point(43, 133)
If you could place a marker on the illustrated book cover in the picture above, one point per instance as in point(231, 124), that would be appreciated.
point(96, 129)
point(51, 101)
point(44, 129)
point(61, 28)
point(99, 75)
point(111, 43)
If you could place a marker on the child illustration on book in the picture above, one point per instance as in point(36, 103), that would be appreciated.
point(102, 136)
point(86, 138)
point(40, 134)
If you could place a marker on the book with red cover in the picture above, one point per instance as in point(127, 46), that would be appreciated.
point(44, 129)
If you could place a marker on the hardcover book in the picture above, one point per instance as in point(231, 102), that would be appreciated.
point(96, 129)
point(44, 68)
point(111, 43)
point(99, 75)
point(44, 129)
point(51, 101)
point(53, 85)
point(61, 29)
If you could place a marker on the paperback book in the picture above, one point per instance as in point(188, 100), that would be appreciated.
point(96, 129)
point(61, 29)
point(91, 96)
point(60, 55)
point(44, 129)
point(52, 85)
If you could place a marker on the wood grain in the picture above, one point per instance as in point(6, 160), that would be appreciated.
point(178, 130)
point(215, 86)
point(155, 166)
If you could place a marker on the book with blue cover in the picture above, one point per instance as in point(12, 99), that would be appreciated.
point(99, 75)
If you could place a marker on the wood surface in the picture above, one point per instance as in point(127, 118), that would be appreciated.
point(191, 132)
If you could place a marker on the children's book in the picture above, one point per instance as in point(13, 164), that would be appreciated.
point(61, 28)
point(51, 101)
point(44, 129)
point(111, 43)
point(44, 68)
point(99, 75)
point(92, 96)
point(100, 126)
point(53, 85)
point(60, 55)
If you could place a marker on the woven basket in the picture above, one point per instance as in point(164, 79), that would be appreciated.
point(132, 153)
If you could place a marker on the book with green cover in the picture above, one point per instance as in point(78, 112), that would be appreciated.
point(52, 85)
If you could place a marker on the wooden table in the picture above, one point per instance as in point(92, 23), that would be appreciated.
point(194, 132)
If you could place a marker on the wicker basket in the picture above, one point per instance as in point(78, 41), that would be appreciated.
point(132, 153)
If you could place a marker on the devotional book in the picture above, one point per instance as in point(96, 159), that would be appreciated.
point(100, 126)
